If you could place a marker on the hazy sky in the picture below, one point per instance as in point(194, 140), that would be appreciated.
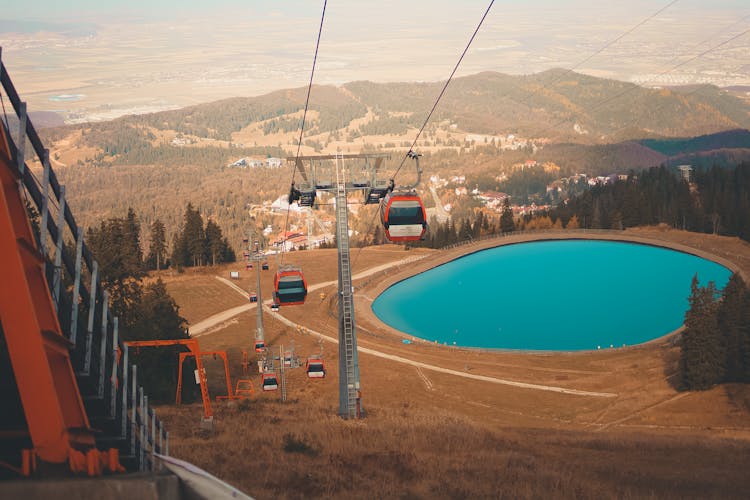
point(209, 49)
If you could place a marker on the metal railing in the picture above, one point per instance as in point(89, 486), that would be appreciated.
point(98, 355)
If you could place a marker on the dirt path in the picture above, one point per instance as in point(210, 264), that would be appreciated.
point(483, 378)
point(211, 323)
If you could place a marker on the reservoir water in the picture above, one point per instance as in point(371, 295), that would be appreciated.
point(561, 295)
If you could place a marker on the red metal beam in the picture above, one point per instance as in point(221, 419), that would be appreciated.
point(38, 351)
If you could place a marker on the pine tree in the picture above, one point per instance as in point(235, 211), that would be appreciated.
point(180, 256)
point(116, 245)
point(214, 243)
point(573, 223)
point(507, 224)
point(158, 249)
point(194, 236)
point(734, 323)
point(702, 354)
point(227, 252)
point(157, 318)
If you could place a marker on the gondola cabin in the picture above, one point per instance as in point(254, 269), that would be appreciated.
point(264, 266)
point(403, 217)
point(248, 266)
point(289, 287)
point(253, 297)
point(315, 368)
point(260, 345)
point(269, 382)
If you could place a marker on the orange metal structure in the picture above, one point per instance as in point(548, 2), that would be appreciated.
point(56, 420)
point(196, 352)
point(244, 388)
point(192, 344)
point(245, 363)
point(223, 355)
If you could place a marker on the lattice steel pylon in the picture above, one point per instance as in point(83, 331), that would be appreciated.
point(340, 180)
point(349, 389)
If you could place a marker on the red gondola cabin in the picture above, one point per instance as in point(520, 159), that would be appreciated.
point(315, 368)
point(403, 217)
point(269, 381)
point(289, 287)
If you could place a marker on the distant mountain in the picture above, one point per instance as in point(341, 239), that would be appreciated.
point(558, 104)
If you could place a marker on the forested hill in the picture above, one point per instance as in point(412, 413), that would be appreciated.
point(724, 148)
point(558, 104)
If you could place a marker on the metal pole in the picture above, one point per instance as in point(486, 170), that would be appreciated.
point(282, 373)
point(76, 288)
point(103, 341)
point(45, 207)
point(57, 276)
point(21, 146)
point(90, 326)
point(259, 331)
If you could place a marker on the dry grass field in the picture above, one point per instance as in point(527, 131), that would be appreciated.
point(428, 433)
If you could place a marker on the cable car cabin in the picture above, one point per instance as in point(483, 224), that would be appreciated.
point(253, 297)
point(269, 382)
point(274, 307)
point(260, 345)
point(403, 217)
point(315, 368)
point(290, 287)
point(264, 266)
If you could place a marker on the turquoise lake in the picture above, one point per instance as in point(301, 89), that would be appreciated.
point(561, 295)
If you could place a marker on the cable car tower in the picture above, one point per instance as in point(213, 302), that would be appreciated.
point(340, 179)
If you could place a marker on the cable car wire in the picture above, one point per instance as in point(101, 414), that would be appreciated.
point(302, 125)
point(635, 87)
point(597, 52)
point(455, 68)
